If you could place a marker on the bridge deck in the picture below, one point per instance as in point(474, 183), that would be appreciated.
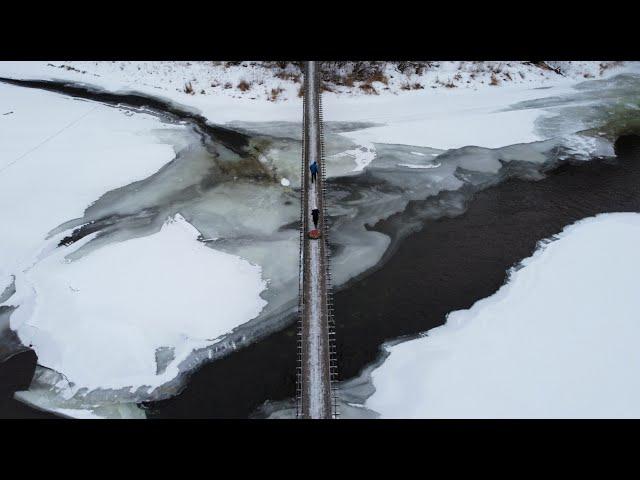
point(315, 393)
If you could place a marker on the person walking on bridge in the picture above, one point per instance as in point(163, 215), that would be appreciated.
point(314, 171)
point(315, 213)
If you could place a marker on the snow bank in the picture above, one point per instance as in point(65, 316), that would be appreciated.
point(559, 340)
point(167, 80)
point(59, 155)
point(100, 320)
point(433, 115)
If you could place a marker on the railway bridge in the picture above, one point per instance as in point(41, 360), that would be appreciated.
point(317, 369)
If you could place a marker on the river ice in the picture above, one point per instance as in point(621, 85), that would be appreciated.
point(111, 181)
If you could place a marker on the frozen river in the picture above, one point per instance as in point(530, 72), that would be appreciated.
point(402, 213)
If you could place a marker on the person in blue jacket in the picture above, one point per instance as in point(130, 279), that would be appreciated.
point(314, 171)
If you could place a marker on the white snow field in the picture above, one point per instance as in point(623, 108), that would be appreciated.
point(59, 155)
point(558, 340)
point(433, 116)
point(444, 119)
point(100, 319)
point(166, 80)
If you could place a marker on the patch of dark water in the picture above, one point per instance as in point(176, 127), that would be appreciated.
point(447, 265)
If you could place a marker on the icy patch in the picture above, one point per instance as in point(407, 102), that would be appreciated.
point(362, 155)
point(443, 120)
point(47, 399)
point(559, 340)
point(101, 319)
point(413, 165)
point(78, 413)
point(583, 147)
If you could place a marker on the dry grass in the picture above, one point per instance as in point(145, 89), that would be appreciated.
point(379, 76)
point(368, 89)
point(293, 77)
point(606, 65)
point(244, 86)
point(188, 88)
point(347, 81)
point(275, 93)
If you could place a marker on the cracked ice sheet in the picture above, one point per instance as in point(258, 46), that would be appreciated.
point(99, 320)
point(559, 340)
point(362, 155)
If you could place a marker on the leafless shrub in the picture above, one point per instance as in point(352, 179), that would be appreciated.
point(188, 88)
point(244, 86)
point(275, 93)
point(368, 88)
point(293, 77)
point(379, 76)
point(606, 65)
point(347, 74)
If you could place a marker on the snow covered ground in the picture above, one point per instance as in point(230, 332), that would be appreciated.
point(559, 340)
point(125, 315)
point(58, 156)
point(166, 80)
point(436, 115)
point(101, 320)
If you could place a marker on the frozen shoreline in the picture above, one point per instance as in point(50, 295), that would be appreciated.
point(558, 340)
point(60, 157)
point(486, 161)
point(443, 118)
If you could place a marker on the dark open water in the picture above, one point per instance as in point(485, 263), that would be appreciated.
point(446, 266)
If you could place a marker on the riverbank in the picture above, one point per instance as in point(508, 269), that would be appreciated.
point(390, 192)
